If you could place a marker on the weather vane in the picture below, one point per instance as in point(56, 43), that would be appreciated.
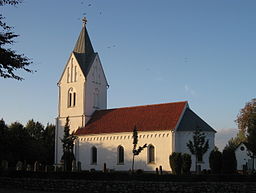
point(84, 20)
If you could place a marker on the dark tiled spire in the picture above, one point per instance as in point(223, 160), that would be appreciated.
point(83, 44)
point(83, 50)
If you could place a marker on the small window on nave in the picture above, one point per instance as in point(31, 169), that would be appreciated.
point(120, 155)
point(151, 154)
point(93, 155)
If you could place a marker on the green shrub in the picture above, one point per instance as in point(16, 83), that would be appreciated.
point(215, 161)
point(186, 163)
point(176, 163)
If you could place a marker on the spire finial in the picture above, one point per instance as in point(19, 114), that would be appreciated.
point(84, 20)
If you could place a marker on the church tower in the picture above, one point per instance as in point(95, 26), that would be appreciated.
point(82, 88)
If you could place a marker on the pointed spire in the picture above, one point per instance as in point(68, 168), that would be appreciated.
point(83, 43)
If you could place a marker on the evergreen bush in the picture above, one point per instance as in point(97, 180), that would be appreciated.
point(186, 163)
point(176, 163)
point(215, 161)
point(228, 162)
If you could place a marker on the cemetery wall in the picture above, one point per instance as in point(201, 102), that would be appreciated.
point(69, 185)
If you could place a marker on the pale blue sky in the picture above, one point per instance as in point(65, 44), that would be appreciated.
point(152, 51)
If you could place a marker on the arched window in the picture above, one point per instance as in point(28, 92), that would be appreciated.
point(71, 97)
point(74, 99)
point(94, 155)
point(151, 154)
point(120, 155)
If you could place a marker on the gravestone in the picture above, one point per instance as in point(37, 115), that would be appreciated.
point(46, 168)
point(29, 168)
point(62, 165)
point(74, 166)
point(105, 168)
point(24, 165)
point(161, 170)
point(19, 166)
point(79, 166)
point(36, 166)
point(4, 165)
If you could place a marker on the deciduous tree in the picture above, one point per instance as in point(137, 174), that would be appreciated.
point(10, 61)
point(199, 145)
point(35, 129)
point(234, 142)
point(246, 121)
point(245, 115)
point(136, 151)
point(17, 144)
point(49, 142)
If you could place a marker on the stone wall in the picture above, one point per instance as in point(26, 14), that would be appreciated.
point(85, 186)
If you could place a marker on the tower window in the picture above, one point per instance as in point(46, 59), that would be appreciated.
point(71, 97)
point(74, 99)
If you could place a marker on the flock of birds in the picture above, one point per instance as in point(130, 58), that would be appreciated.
point(100, 13)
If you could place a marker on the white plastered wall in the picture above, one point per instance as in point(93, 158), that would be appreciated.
point(75, 113)
point(96, 80)
point(84, 108)
point(242, 157)
point(107, 145)
point(181, 140)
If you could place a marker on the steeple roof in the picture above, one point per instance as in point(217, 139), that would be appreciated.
point(83, 50)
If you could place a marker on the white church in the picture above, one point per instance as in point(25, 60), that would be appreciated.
point(105, 135)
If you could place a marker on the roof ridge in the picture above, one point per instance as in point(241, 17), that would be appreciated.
point(150, 105)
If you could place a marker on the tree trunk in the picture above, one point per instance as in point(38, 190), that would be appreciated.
point(133, 163)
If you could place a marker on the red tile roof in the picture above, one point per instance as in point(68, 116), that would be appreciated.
point(146, 118)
